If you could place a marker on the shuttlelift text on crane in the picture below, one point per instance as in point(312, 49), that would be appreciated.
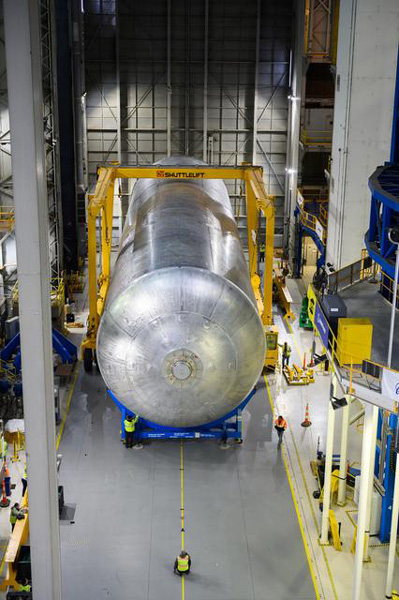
point(176, 175)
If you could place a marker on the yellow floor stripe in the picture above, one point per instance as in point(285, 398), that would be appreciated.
point(299, 351)
point(305, 544)
point(182, 508)
point(61, 431)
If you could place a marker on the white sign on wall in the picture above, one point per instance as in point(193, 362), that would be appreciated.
point(390, 384)
point(319, 230)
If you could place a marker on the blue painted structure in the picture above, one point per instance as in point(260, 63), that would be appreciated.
point(384, 213)
point(388, 478)
point(228, 427)
point(61, 345)
point(306, 231)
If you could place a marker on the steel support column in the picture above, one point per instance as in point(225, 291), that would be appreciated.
point(371, 413)
point(205, 116)
point(373, 446)
point(256, 83)
point(394, 525)
point(343, 454)
point(169, 82)
point(291, 180)
point(22, 36)
point(328, 466)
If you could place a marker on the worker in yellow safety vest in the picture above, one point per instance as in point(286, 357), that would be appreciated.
point(286, 354)
point(130, 425)
point(182, 563)
point(262, 249)
point(25, 587)
point(24, 481)
point(15, 514)
point(280, 425)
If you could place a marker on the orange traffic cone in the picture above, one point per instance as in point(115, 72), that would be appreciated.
point(307, 422)
point(4, 502)
point(304, 362)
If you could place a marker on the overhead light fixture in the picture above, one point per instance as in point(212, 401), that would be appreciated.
point(290, 171)
point(337, 403)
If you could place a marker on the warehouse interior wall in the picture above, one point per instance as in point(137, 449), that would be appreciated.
point(206, 79)
point(364, 91)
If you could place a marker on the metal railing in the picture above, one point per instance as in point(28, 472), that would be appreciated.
point(318, 224)
point(57, 291)
point(350, 364)
point(316, 138)
point(7, 218)
point(356, 272)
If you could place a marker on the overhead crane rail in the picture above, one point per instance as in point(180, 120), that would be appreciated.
point(101, 206)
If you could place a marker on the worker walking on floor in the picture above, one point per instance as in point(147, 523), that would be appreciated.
point(280, 426)
point(286, 354)
point(130, 425)
point(16, 514)
point(24, 481)
point(182, 563)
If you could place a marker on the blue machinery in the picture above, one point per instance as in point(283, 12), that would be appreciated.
point(229, 426)
point(302, 231)
point(384, 214)
point(61, 345)
point(384, 469)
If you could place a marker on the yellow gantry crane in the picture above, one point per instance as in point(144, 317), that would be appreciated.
point(101, 206)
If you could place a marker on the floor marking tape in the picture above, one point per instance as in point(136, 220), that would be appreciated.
point(305, 544)
point(182, 508)
point(61, 431)
point(297, 347)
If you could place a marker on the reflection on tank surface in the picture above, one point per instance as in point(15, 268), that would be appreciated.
point(180, 342)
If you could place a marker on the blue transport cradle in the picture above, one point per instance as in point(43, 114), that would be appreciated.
point(228, 427)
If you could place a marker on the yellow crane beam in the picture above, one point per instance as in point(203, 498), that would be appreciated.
point(101, 206)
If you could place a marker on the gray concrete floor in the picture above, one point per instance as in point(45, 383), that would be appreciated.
point(241, 526)
point(364, 300)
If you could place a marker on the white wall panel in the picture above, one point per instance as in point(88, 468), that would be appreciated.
point(366, 67)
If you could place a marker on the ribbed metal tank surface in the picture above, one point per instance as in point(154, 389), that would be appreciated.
point(180, 341)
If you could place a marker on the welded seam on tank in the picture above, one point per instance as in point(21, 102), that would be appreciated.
point(225, 280)
point(137, 331)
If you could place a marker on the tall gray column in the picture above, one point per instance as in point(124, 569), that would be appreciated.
point(22, 38)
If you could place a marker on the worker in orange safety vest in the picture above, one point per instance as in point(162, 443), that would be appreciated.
point(280, 425)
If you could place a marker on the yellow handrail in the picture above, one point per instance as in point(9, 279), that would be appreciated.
point(319, 138)
point(311, 222)
point(7, 217)
point(57, 291)
point(354, 364)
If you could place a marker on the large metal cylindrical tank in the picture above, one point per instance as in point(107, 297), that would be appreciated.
point(180, 341)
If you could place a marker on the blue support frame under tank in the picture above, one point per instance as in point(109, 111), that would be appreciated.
point(228, 427)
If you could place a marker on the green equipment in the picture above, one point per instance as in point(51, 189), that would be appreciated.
point(304, 320)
